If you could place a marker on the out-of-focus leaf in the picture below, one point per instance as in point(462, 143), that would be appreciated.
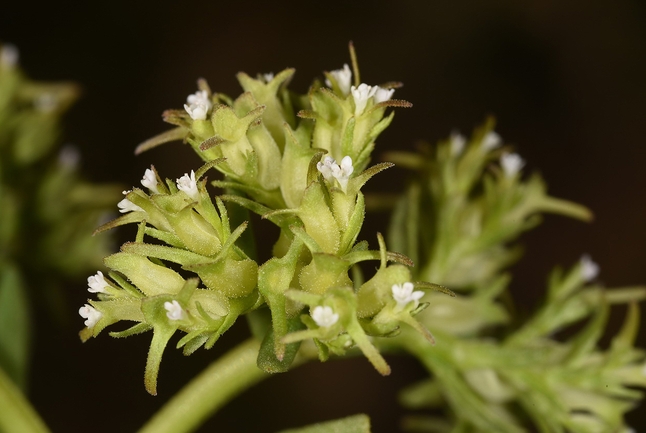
point(14, 325)
point(352, 424)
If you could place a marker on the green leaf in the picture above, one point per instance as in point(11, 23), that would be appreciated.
point(14, 325)
point(353, 424)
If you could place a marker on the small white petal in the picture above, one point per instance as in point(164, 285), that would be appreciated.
point(126, 205)
point(361, 96)
point(330, 169)
point(9, 55)
point(196, 111)
point(200, 97)
point(457, 143)
point(325, 167)
point(491, 141)
point(589, 269)
point(511, 164)
point(150, 180)
point(268, 77)
point(188, 184)
point(174, 311)
point(382, 95)
point(343, 174)
point(343, 79)
point(403, 294)
point(324, 316)
point(91, 314)
point(97, 283)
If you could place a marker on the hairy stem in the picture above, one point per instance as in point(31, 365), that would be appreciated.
point(209, 391)
point(16, 414)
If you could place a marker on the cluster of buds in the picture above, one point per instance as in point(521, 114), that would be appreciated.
point(143, 289)
point(278, 151)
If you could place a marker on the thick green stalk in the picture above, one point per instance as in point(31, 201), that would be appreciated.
point(16, 414)
point(209, 391)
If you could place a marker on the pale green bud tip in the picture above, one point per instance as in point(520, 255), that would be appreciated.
point(69, 157)
point(491, 141)
point(343, 78)
point(511, 164)
point(589, 269)
point(46, 103)
point(150, 181)
point(174, 311)
point(331, 170)
point(97, 283)
point(188, 184)
point(91, 315)
point(9, 56)
point(126, 205)
point(324, 316)
point(404, 294)
point(458, 142)
point(198, 105)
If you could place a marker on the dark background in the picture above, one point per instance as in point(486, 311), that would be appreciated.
point(564, 79)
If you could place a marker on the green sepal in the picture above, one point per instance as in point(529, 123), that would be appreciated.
point(323, 272)
point(112, 311)
point(267, 359)
point(139, 328)
point(274, 278)
point(174, 134)
point(318, 219)
point(150, 278)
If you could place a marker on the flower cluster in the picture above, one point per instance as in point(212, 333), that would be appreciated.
point(457, 221)
point(280, 159)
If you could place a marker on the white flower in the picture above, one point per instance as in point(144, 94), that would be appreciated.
point(97, 283)
point(382, 95)
point(91, 314)
point(330, 169)
point(324, 316)
point(343, 78)
point(511, 164)
point(9, 55)
point(174, 311)
point(344, 172)
point(268, 77)
point(361, 96)
point(188, 185)
point(198, 105)
point(490, 141)
point(126, 205)
point(150, 180)
point(589, 269)
point(326, 167)
point(457, 143)
point(404, 293)
point(199, 97)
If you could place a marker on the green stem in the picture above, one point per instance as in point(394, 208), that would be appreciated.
point(209, 391)
point(16, 414)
